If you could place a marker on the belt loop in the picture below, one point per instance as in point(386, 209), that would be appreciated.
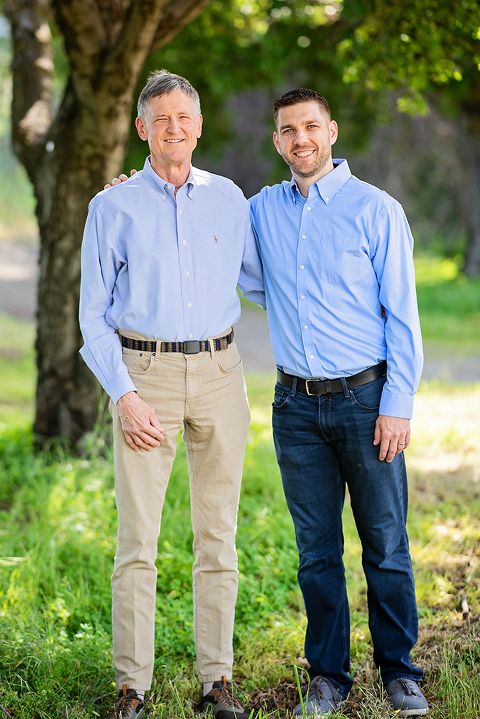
point(294, 387)
point(346, 391)
point(213, 351)
point(158, 347)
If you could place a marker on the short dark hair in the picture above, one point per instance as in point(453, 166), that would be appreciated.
point(300, 94)
point(162, 82)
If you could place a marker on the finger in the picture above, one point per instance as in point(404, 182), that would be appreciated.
point(123, 177)
point(130, 441)
point(116, 181)
point(145, 440)
point(384, 449)
point(392, 451)
point(377, 436)
point(133, 172)
point(155, 423)
point(105, 187)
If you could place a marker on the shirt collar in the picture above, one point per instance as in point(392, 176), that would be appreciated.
point(328, 185)
point(159, 183)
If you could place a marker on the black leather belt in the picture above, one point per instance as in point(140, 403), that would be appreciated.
point(190, 347)
point(319, 387)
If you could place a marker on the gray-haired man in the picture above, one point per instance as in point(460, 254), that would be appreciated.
point(161, 259)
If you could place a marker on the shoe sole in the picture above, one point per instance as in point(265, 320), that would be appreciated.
point(412, 712)
point(316, 715)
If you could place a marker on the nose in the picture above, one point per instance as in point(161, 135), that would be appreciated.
point(173, 125)
point(301, 137)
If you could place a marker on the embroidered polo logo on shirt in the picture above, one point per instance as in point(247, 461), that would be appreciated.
point(215, 238)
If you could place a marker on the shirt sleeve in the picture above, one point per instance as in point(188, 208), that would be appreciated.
point(250, 281)
point(393, 265)
point(102, 351)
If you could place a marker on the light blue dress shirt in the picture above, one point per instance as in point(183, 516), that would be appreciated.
point(166, 267)
point(330, 262)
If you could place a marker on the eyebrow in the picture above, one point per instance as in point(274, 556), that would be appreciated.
point(307, 122)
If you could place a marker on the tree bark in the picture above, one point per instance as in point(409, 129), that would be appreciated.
point(69, 157)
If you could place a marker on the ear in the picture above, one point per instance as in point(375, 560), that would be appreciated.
point(276, 143)
point(333, 132)
point(199, 126)
point(141, 128)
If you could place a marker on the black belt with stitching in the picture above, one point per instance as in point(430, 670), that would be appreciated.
point(319, 387)
point(190, 347)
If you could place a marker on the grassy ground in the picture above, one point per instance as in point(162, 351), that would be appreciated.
point(57, 541)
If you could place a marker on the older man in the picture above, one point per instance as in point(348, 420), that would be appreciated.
point(161, 259)
point(340, 289)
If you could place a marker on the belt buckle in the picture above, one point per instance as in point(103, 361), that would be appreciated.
point(191, 347)
point(310, 394)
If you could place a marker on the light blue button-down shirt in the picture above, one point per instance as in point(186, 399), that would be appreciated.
point(330, 262)
point(166, 267)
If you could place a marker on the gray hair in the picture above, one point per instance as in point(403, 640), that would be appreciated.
point(162, 82)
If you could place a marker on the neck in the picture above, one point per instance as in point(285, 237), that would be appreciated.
point(303, 183)
point(176, 175)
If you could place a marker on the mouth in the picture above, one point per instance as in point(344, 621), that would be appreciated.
point(304, 153)
point(174, 141)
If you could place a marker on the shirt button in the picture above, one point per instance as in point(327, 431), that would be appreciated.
point(190, 336)
point(302, 267)
point(163, 197)
point(309, 208)
point(187, 273)
point(189, 304)
point(304, 237)
point(311, 356)
point(302, 297)
point(184, 242)
point(326, 198)
point(305, 327)
point(180, 212)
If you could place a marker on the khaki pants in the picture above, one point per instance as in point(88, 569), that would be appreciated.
point(206, 393)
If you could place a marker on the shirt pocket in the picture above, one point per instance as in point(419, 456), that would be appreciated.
point(339, 259)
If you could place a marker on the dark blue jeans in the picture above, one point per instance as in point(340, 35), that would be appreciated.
point(324, 444)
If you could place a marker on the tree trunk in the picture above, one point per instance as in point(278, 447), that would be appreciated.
point(90, 144)
point(470, 126)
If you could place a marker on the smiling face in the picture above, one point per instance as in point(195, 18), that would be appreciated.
point(171, 127)
point(304, 138)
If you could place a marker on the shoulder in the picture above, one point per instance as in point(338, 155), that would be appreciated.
point(118, 196)
point(269, 194)
point(219, 184)
point(373, 196)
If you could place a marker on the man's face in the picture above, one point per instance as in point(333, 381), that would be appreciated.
point(171, 128)
point(304, 138)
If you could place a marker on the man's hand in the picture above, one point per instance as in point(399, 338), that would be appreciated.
point(122, 178)
point(393, 436)
point(139, 422)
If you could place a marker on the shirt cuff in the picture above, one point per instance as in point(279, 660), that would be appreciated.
point(396, 405)
point(120, 385)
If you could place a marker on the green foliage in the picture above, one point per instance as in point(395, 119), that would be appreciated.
point(413, 46)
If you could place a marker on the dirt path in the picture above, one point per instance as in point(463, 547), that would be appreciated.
point(18, 278)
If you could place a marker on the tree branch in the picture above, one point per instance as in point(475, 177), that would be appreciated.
point(81, 24)
point(176, 15)
point(32, 69)
point(126, 59)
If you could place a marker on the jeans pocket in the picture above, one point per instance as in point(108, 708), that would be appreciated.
point(367, 396)
point(281, 396)
point(137, 362)
point(229, 360)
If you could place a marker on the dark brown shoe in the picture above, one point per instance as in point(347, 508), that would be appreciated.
point(128, 705)
point(221, 703)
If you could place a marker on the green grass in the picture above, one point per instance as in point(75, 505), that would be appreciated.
point(57, 541)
